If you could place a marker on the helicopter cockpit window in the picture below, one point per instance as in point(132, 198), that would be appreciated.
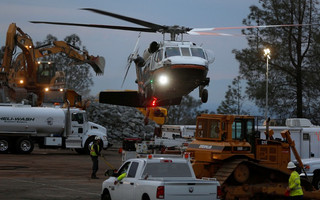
point(172, 51)
point(185, 51)
point(198, 52)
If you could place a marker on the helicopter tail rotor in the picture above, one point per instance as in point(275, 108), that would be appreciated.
point(132, 57)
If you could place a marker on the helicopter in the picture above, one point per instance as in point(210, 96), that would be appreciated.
point(167, 70)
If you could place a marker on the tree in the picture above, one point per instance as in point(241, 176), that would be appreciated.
point(234, 99)
point(294, 64)
point(78, 77)
point(186, 112)
point(1, 54)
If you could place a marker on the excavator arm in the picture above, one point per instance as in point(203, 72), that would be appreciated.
point(22, 71)
point(97, 63)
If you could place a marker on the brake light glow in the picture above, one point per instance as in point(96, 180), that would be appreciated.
point(149, 156)
point(154, 102)
point(160, 192)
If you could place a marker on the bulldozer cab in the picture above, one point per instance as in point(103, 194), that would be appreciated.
point(225, 128)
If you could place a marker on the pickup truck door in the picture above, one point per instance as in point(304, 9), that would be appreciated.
point(119, 189)
point(129, 182)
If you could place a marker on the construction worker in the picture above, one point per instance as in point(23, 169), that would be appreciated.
point(294, 186)
point(94, 153)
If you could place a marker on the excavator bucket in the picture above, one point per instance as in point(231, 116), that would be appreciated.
point(98, 64)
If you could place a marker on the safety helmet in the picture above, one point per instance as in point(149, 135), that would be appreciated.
point(291, 165)
point(97, 138)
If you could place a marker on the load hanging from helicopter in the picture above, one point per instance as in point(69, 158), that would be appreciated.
point(167, 70)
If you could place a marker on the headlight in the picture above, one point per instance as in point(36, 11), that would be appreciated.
point(163, 80)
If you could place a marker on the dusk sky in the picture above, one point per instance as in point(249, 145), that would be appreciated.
point(116, 45)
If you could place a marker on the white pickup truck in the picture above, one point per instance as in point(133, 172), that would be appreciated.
point(152, 178)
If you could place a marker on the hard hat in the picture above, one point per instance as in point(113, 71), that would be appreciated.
point(291, 165)
point(97, 138)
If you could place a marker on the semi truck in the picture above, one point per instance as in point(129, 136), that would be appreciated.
point(23, 126)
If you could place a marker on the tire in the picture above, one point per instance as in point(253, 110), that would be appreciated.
point(204, 96)
point(86, 147)
point(145, 197)
point(106, 195)
point(5, 145)
point(24, 145)
point(316, 181)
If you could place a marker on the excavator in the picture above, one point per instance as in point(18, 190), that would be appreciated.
point(24, 74)
point(228, 148)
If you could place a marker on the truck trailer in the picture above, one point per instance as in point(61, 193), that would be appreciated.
point(22, 126)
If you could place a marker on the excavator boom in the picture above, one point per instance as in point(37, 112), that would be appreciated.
point(27, 73)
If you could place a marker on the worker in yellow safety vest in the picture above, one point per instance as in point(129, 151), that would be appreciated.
point(294, 186)
point(94, 153)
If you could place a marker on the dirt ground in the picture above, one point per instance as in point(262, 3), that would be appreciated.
point(53, 175)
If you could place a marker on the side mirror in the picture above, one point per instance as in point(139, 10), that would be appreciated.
point(110, 172)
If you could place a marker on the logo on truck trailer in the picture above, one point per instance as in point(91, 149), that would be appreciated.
point(17, 119)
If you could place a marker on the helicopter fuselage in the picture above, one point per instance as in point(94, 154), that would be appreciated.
point(173, 71)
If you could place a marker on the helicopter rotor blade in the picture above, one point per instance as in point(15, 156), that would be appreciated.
point(127, 28)
point(215, 34)
point(125, 76)
point(131, 57)
point(128, 19)
point(196, 31)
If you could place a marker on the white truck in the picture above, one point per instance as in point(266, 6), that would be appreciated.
point(165, 177)
point(21, 126)
point(307, 142)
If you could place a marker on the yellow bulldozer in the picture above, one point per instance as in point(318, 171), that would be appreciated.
point(226, 147)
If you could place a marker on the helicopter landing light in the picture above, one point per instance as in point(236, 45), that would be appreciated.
point(163, 80)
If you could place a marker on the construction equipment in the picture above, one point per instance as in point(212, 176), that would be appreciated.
point(27, 72)
point(226, 147)
point(157, 114)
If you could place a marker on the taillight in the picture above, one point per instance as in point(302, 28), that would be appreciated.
point(160, 192)
point(219, 192)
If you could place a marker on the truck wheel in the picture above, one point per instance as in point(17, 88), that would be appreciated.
point(24, 145)
point(145, 197)
point(4, 145)
point(87, 145)
point(106, 195)
point(316, 181)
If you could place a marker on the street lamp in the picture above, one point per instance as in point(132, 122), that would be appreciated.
point(267, 53)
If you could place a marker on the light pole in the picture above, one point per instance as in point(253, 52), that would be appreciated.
point(267, 53)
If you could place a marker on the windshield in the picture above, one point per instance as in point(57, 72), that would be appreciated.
point(167, 169)
point(175, 51)
point(198, 52)
point(172, 51)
